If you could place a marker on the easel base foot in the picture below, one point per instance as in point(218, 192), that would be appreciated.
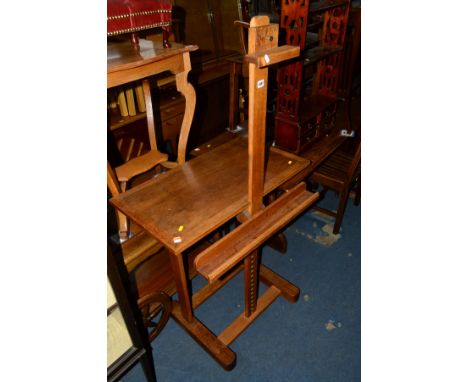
point(217, 346)
point(288, 291)
point(206, 339)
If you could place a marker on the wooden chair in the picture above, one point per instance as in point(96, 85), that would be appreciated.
point(119, 178)
point(341, 172)
point(155, 305)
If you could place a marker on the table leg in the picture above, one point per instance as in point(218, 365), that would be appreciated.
point(181, 281)
point(206, 339)
point(182, 312)
point(188, 92)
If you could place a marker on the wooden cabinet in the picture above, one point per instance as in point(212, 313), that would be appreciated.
point(208, 24)
point(308, 89)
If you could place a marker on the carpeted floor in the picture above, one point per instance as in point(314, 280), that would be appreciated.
point(316, 339)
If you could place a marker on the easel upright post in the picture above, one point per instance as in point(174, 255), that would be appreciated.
point(262, 36)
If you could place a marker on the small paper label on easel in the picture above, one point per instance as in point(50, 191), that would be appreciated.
point(260, 84)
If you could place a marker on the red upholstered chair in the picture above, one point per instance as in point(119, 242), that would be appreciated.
point(132, 16)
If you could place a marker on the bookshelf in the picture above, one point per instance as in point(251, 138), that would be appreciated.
point(117, 120)
point(130, 132)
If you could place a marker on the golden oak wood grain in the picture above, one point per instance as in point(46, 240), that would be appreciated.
point(201, 195)
point(139, 165)
point(273, 56)
point(228, 251)
point(125, 65)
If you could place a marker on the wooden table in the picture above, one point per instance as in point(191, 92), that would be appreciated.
point(200, 196)
point(126, 64)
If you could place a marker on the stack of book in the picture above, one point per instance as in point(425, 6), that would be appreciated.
point(128, 99)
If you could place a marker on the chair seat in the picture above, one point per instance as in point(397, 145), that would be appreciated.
point(341, 173)
point(138, 248)
point(126, 16)
point(333, 171)
point(155, 272)
point(139, 165)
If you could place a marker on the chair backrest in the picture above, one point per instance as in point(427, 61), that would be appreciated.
point(149, 114)
point(351, 51)
point(355, 163)
point(112, 182)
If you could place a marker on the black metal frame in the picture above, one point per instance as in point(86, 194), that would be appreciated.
point(141, 350)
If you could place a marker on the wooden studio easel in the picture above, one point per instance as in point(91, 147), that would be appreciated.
point(206, 192)
point(259, 222)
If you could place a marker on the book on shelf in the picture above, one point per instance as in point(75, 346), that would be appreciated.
point(130, 100)
point(140, 98)
point(122, 103)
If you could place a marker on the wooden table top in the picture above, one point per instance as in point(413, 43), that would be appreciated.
point(125, 63)
point(202, 194)
point(122, 55)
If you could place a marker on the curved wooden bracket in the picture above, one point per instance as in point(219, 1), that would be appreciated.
point(188, 92)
